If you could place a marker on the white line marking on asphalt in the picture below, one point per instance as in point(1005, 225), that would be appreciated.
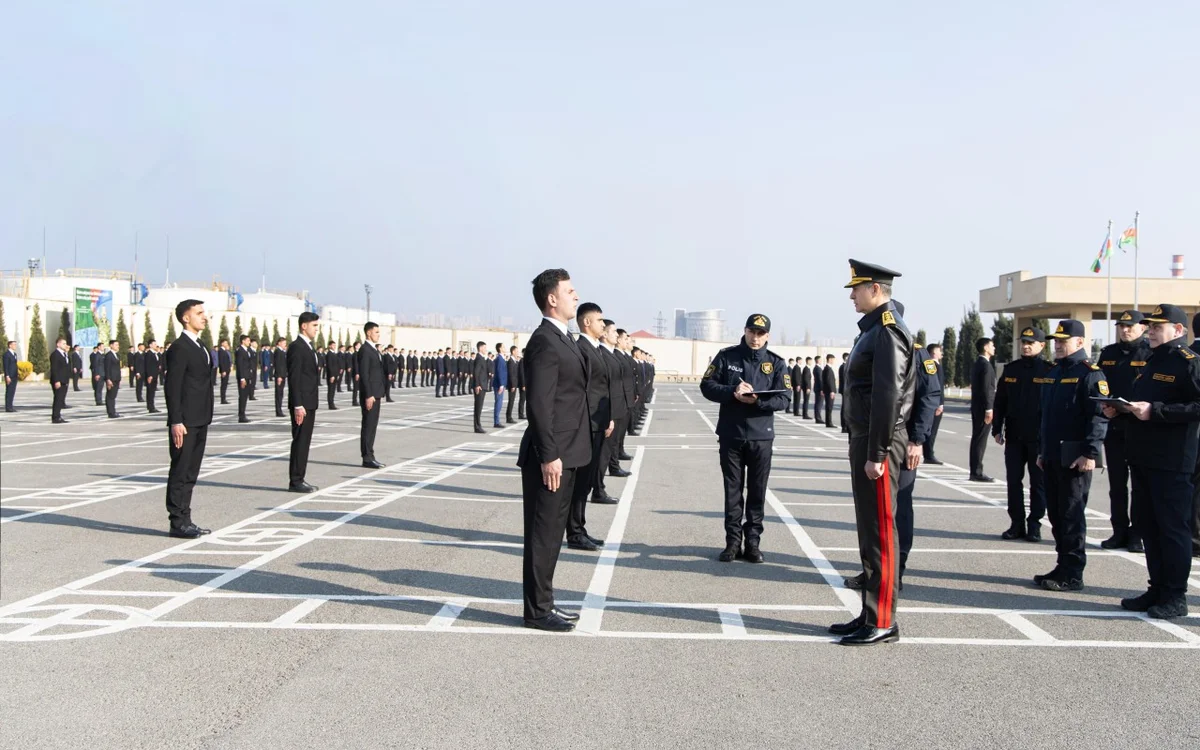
point(1027, 628)
point(298, 612)
point(814, 554)
point(731, 622)
point(591, 614)
point(689, 398)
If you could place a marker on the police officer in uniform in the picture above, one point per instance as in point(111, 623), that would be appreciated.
point(1162, 430)
point(1016, 423)
point(1073, 429)
point(746, 430)
point(1121, 362)
point(880, 385)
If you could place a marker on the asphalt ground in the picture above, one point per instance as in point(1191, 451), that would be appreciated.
point(384, 610)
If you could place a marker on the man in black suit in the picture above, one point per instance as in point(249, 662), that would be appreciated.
point(333, 372)
point(279, 373)
point(151, 366)
point(224, 365)
point(304, 381)
point(353, 373)
point(609, 457)
point(818, 389)
point(794, 369)
point(76, 366)
point(829, 387)
point(842, 391)
point(514, 379)
point(251, 382)
point(112, 377)
point(10, 376)
point(389, 373)
point(96, 367)
point(629, 385)
point(137, 375)
point(189, 392)
point(60, 375)
point(590, 479)
point(983, 393)
point(411, 365)
point(479, 376)
point(243, 365)
point(370, 379)
point(806, 385)
point(935, 351)
point(521, 389)
point(556, 445)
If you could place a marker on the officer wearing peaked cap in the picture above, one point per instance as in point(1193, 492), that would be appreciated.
point(879, 390)
point(1073, 429)
point(1016, 425)
point(1121, 362)
point(746, 430)
point(1162, 433)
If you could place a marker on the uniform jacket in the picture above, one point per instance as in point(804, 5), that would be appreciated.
point(500, 373)
point(112, 367)
point(927, 398)
point(1170, 382)
point(806, 379)
point(1017, 410)
point(243, 364)
point(620, 403)
point(223, 361)
point(763, 370)
point(1068, 413)
point(880, 382)
point(279, 364)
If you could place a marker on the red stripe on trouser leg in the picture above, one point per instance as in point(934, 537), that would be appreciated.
point(883, 499)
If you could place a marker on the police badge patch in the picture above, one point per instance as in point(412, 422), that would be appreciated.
point(931, 366)
point(787, 381)
point(768, 368)
point(709, 372)
point(1102, 386)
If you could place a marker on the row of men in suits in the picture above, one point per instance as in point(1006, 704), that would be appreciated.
point(820, 382)
point(582, 394)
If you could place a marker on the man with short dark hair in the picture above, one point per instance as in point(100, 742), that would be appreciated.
point(514, 382)
point(76, 366)
point(805, 384)
point(112, 377)
point(983, 394)
point(151, 366)
point(818, 388)
point(479, 375)
point(11, 376)
point(590, 479)
point(279, 373)
point(368, 371)
point(60, 374)
point(1122, 362)
point(1016, 425)
point(935, 351)
point(304, 384)
point(829, 387)
point(189, 395)
point(96, 367)
point(610, 457)
point(555, 446)
point(499, 384)
point(224, 365)
point(796, 370)
point(333, 372)
point(244, 372)
point(137, 372)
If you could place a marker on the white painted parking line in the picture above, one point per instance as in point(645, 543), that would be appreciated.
point(591, 615)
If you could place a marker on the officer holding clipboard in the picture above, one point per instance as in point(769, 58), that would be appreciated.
point(750, 383)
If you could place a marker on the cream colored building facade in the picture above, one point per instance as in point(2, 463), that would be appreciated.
point(1083, 298)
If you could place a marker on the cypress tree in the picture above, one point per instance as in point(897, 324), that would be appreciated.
point(64, 327)
point(206, 336)
point(1002, 334)
point(253, 328)
point(3, 334)
point(969, 332)
point(122, 338)
point(148, 329)
point(950, 355)
point(171, 335)
point(38, 354)
point(223, 332)
point(237, 331)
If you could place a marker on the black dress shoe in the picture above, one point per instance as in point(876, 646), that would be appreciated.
point(333, 408)
point(934, 462)
point(280, 414)
point(869, 635)
point(604, 499)
point(497, 426)
point(730, 553)
point(624, 457)
point(243, 420)
point(224, 403)
point(1034, 534)
point(595, 541)
point(855, 582)
point(303, 488)
point(191, 531)
point(552, 623)
point(154, 411)
point(752, 554)
point(480, 431)
point(618, 473)
point(1063, 584)
point(510, 421)
point(1116, 541)
point(981, 478)
point(372, 464)
point(568, 616)
point(1014, 532)
point(1135, 545)
point(60, 420)
point(110, 416)
point(582, 543)
point(846, 628)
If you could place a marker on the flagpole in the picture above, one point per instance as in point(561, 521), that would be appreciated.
point(1135, 258)
point(1108, 252)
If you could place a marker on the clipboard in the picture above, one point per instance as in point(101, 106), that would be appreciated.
point(1121, 405)
point(769, 393)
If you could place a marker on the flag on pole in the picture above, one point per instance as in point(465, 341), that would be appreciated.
point(1106, 251)
point(1128, 237)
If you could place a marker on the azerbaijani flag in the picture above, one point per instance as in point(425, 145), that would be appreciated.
point(1106, 251)
point(1128, 237)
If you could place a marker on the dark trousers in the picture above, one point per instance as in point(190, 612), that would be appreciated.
point(804, 405)
point(929, 454)
point(439, 386)
point(243, 397)
point(875, 514)
point(151, 391)
point(412, 378)
point(354, 390)
point(60, 400)
point(110, 398)
point(224, 387)
point(1066, 501)
point(1196, 511)
point(818, 402)
point(521, 404)
point(1164, 499)
point(612, 444)
point(828, 410)
point(279, 392)
point(1124, 523)
point(140, 388)
point(904, 512)
point(301, 440)
point(331, 388)
point(185, 469)
point(250, 387)
point(366, 433)
point(75, 381)
point(979, 440)
point(745, 470)
point(97, 389)
point(479, 408)
point(132, 379)
point(339, 381)
point(1020, 455)
point(545, 521)
point(796, 403)
point(508, 413)
point(387, 388)
point(584, 482)
point(10, 393)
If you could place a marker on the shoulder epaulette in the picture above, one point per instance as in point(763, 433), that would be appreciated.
point(1187, 353)
point(1094, 367)
point(888, 319)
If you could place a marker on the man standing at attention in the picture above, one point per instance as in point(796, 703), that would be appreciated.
point(303, 381)
point(983, 394)
point(189, 393)
point(555, 446)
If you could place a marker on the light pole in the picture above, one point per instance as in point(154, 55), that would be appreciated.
point(368, 289)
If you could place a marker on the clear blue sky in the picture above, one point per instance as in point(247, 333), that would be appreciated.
point(666, 153)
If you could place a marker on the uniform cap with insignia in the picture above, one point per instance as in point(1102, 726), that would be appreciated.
point(1032, 334)
point(1130, 318)
point(760, 321)
point(1167, 314)
point(867, 273)
point(1067, 329)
